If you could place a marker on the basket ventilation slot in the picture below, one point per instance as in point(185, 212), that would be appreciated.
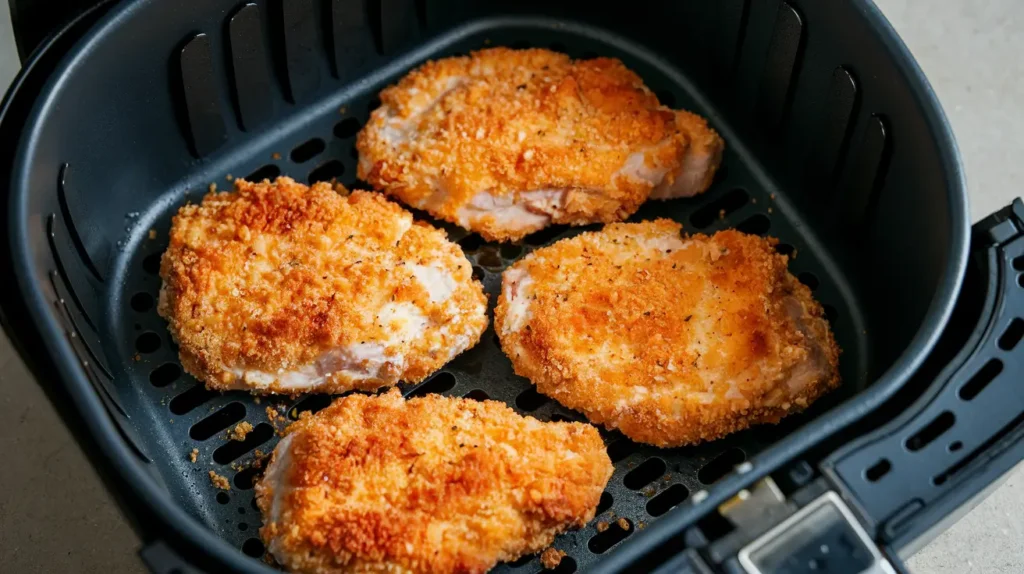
point(234, 449)
point(250, 70)
point(348, 33)
point(394, 23)
point(202, 104)
point(301, 47)
point(867, 173)
point(218, 421)
point(720, 466)
point(781, 67)
point(837, 127)
point(69, 223)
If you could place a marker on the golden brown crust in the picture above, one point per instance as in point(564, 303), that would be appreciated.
point(272, 277)
point(671, 340)
point(433, 484)
point(510, 121)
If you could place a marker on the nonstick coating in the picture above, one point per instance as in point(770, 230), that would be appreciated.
point(647, 481)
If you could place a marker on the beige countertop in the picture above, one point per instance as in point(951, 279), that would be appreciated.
point(55, 515)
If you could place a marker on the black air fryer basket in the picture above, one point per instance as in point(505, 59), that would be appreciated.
point(835, 144)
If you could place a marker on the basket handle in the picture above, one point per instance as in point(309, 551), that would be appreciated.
point(911, 477)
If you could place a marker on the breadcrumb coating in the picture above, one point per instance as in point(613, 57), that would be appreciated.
point(672, 340)
point(283, 288)
point(505, 142)
point(432, 484)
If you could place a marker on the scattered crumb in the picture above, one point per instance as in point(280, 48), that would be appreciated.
point(640, 525)
point(228, 177)
point(623, 523)
point(259, 457)
point(772, 196)
point(602, 526)
point(213, 188)
point(769, 210)
point(275, 156)
point(240, 431)
point(293, 414)
point(342, 109)
point(256, 399)
point(152, 234)
point(551, 558)
point(272, 414)
point(219, 481)
point(753, 200)
point(721, 214)
point(137, 357)
point(194, 455)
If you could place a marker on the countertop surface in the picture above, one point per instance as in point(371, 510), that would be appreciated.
point(55, 515)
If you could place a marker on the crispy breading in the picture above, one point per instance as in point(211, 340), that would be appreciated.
point(672, 340)
point(432, 484)
point(280, 287)
point(504, 142)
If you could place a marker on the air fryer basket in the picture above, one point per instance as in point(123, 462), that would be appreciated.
point(835, 145)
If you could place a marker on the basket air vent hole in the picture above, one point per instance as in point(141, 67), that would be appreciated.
point(546, 235)
point(511, 251)
point(147, 342)
point(373, 104)
point(234, 449)
point(785, 249)
point(269, 171)
point(1012, 335)
point(667, 500)
point(165, 374)
point(603, 541)
point(308, 150)
point(666, 98)
point(646, 473)
point(245, 479)
point(191, 399)
point(809, 279)
point(955, 446)
point(978, 382)
point(223, 498)
point(520, 45)
point(620, 449)
point(255, 506)
point(327, 171)
point(831, 314)
point(530, 400)
point(558, 47)
point(253, 547)
point(605, 503)
point(479, 273)
point(876, 471)
point(354, 153)
point(243, 526)
point(931, 431)
point(477, 395)
point(522, 561)
point(1018, 263)
point(151, 264)
point(719, 208)
point(758, 224)
point(312, 403)
point(489, 258)
point(471, 243)
point(439, 383)
point(218, 421)
point(720, 466)
point(142, 302)
point(346, 128)
point(566, 566)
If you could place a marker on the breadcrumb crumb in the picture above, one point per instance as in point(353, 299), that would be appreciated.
point(152, 234)
point(622, 523)
point(194, 455)
point(551, 558)
point(219, 481)
point(601, 526)
point(240, 431)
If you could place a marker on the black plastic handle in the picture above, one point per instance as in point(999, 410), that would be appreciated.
point(967, 428)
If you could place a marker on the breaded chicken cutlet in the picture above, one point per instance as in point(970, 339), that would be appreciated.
point(283, 288)
point(506, 142)
point(426, 485)
point(672, 340)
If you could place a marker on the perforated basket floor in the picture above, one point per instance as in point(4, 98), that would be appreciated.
point(169, 413)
